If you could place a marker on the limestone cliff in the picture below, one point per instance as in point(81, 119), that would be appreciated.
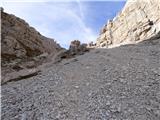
point(139, 20)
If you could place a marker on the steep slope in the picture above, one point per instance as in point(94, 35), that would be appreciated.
point(21, 43)
point(122, 83)
point(139, 20)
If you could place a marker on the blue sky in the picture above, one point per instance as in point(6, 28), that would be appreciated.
point(65, 20)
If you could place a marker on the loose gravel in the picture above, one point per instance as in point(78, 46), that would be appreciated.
point(122, 83)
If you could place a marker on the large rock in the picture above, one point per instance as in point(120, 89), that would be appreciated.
point(139, 20)
point(76, 48)
point(21, 43)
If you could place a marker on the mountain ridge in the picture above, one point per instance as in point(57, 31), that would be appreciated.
point(22, 46)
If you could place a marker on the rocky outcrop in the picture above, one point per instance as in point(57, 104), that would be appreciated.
point(139, 20)
point(19, 40)
point(21, 45)
point(91, 45)
point(75, 48)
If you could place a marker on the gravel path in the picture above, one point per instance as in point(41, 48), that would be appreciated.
point(116, 84)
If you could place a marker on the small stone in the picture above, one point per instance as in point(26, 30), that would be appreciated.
point(87, 84)
point(76, 87)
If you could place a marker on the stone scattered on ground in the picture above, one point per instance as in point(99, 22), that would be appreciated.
point(122, 83)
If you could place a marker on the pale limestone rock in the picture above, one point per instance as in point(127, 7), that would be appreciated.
point(139, 20)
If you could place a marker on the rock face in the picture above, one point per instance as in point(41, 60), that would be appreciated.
point(76, 48)
point(20, 42)
point(139, 20)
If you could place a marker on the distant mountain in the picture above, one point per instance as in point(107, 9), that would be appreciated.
point(139, 20)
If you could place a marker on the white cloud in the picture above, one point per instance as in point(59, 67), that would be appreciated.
point(61, 21)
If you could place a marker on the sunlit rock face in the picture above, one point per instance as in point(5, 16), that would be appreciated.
point(139, 20)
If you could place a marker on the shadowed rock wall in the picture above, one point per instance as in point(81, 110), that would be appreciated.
point(19, 40)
